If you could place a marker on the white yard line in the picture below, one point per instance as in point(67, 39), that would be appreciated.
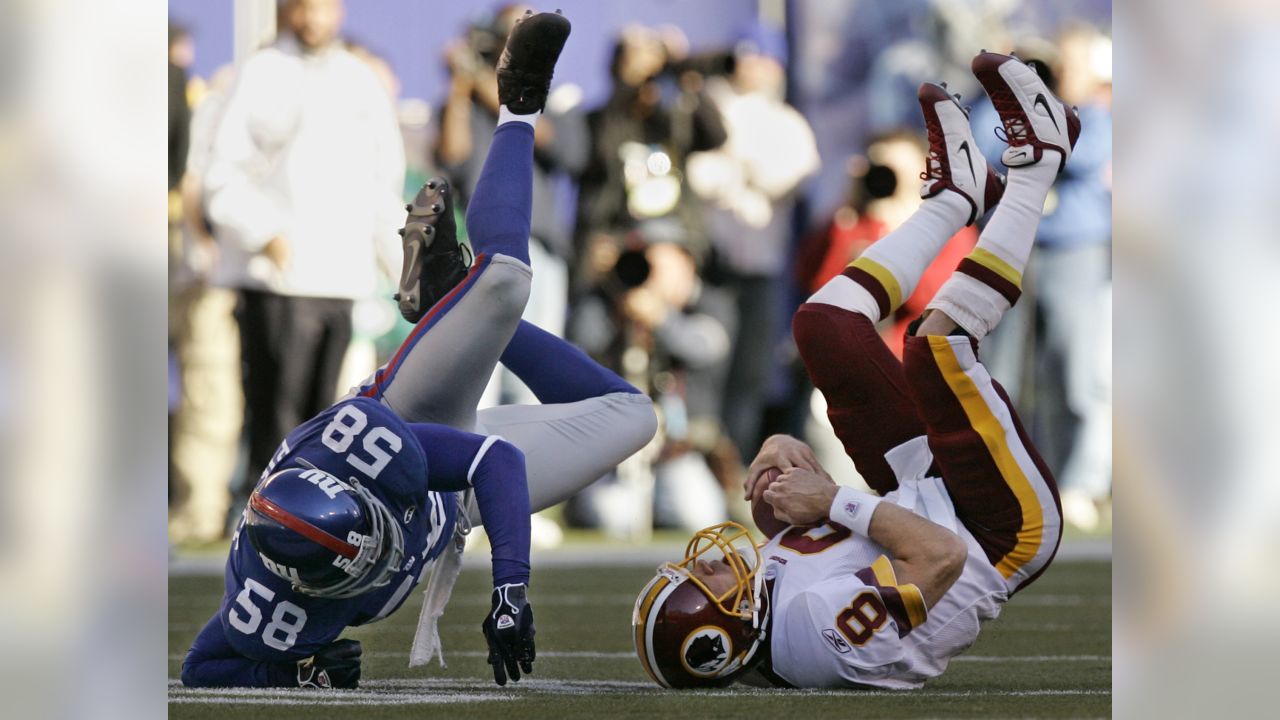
point(433, 692)
point(399, 691)
point(1059, 600)
point(630, 655)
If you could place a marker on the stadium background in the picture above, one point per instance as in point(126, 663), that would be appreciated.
point(832, 53)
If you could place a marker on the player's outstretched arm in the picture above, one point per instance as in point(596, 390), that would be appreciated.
point(923, 553)
point(495, 470)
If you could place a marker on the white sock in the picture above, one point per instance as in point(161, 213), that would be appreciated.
point(886, 274)
point(989, 281)
point(506, 116)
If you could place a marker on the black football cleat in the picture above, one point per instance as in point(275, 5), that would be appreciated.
point(433, 259)
point(529, 59)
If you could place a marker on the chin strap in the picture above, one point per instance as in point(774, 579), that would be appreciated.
point(759, 618)
point(759, 623)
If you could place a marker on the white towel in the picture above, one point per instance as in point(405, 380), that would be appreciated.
point(426, 640)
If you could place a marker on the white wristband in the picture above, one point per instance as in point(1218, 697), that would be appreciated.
point(853, 509)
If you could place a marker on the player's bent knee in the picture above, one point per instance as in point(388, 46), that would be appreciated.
point(191, 675)
point(643, 419)
point(637, 422)
point(505, 286)
point(825, 336)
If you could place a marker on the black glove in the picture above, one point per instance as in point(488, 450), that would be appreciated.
point(336, 666)
point(508, 628)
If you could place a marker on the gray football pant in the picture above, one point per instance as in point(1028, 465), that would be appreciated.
point(441, 370)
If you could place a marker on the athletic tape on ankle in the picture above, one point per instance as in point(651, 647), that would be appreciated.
point(506, 116)
point(853, 509)
point(974, 305)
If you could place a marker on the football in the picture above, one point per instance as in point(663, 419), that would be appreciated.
point(761, 511)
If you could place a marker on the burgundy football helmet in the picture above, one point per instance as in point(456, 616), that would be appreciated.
point(689, 636)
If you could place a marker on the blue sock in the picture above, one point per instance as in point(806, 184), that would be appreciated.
point(498, 215)
point(556, 371)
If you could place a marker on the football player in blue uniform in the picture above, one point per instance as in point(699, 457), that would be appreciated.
point(362, 501)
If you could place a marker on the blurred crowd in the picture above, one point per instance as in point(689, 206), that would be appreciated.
point(674, 233)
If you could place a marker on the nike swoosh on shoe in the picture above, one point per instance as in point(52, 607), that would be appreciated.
point(965, 147)
point(1040, 100)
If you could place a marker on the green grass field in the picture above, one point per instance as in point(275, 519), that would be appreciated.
point(1049, 655)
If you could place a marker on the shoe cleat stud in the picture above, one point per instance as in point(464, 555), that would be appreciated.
point(431, 185)
point(435, 207)
point(400, 232)
point(429, 231)
point(408, 208)
point(396, 297)
point(944, 84)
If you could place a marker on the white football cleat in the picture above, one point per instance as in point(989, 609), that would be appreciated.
point(954, 162)
point(1034, 118)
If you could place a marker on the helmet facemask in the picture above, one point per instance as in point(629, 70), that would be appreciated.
point(743, 558)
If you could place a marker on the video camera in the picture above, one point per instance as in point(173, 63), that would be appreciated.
point(720, 62)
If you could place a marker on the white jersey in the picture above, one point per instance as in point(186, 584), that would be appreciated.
point(841, 618)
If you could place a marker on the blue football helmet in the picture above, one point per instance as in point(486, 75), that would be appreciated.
point(330, 538)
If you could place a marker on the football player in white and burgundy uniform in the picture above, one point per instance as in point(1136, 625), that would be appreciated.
point(860, 590)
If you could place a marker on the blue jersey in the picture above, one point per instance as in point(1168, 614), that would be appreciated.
point(263, 617)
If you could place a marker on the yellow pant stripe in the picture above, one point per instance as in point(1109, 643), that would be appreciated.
point(884, 277)
point(992, 262)
point(993, 435)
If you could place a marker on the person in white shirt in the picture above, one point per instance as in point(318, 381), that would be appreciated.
point(304, 189)
point(855, 589)
point(749, 186)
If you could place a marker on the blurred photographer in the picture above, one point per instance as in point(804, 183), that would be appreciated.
point(652, 318)
point(749, 186)
point(467, 120)
point(655, 116)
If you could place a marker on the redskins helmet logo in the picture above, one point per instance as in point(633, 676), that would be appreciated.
point(706, 651)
